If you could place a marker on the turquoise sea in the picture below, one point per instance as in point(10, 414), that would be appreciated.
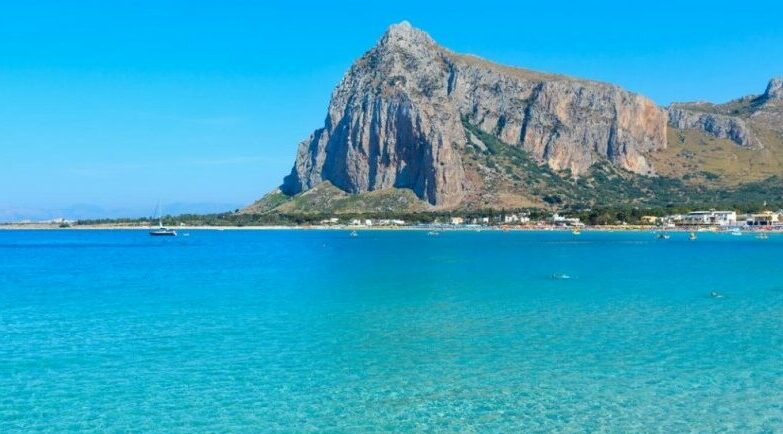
point(390, 331)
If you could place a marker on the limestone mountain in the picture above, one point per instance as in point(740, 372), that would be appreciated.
point(396, 120)
point(461, 132)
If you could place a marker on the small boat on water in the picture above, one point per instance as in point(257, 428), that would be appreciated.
point(692, 236)
point(433, 233)
point(762, 236)
point(663, 236)
point(576, 231)
point(736, 232)
point(354, 234)
point(162, 231)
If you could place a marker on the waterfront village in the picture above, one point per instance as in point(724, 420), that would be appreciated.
point(705, 220)
point(712, 220)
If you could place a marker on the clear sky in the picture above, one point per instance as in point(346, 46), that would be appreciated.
point(121, 103)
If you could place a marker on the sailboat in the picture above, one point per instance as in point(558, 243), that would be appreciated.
point(162, 231)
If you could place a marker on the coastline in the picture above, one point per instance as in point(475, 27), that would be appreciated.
point(516, 228)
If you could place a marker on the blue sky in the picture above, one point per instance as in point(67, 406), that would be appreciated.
point(120, 103)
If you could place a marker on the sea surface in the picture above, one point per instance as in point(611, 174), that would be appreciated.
point(390, 331)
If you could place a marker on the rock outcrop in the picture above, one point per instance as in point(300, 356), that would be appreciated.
point(769, 113)
point(396, 120)
point(774, 89)
point(716, 125)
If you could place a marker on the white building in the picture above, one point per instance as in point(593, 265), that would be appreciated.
point(457, 220)
point(720, 218)
point(511, 218)
point(514, 218)
point(60, 220)
point(725, 218)
point(560, 220)
point(391, 222)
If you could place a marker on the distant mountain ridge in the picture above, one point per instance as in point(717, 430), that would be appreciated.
point(10, 214)
point(461, 132)
point(734, 120)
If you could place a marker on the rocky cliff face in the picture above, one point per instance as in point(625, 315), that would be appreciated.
point(396, 120)
point(389, 124)
point(716, 125)
point(567, 123)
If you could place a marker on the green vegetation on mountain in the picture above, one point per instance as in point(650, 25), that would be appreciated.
point(700, 159)
point(741, 107)
point(269, 202)
point(326, 198)
point(508, 169)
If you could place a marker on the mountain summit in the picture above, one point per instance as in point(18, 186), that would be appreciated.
point(460, 132)
point(775, 89)
point(403, 34)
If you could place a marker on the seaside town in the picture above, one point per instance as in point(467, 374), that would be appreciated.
point(705, 220)
point(708, 220)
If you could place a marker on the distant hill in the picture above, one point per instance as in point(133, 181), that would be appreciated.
point(726, 144)
point(413, 126)
point(10, 214)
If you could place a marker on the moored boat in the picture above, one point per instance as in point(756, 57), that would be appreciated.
point(162, 231)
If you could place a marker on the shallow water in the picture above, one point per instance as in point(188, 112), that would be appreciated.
point(297, 331)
